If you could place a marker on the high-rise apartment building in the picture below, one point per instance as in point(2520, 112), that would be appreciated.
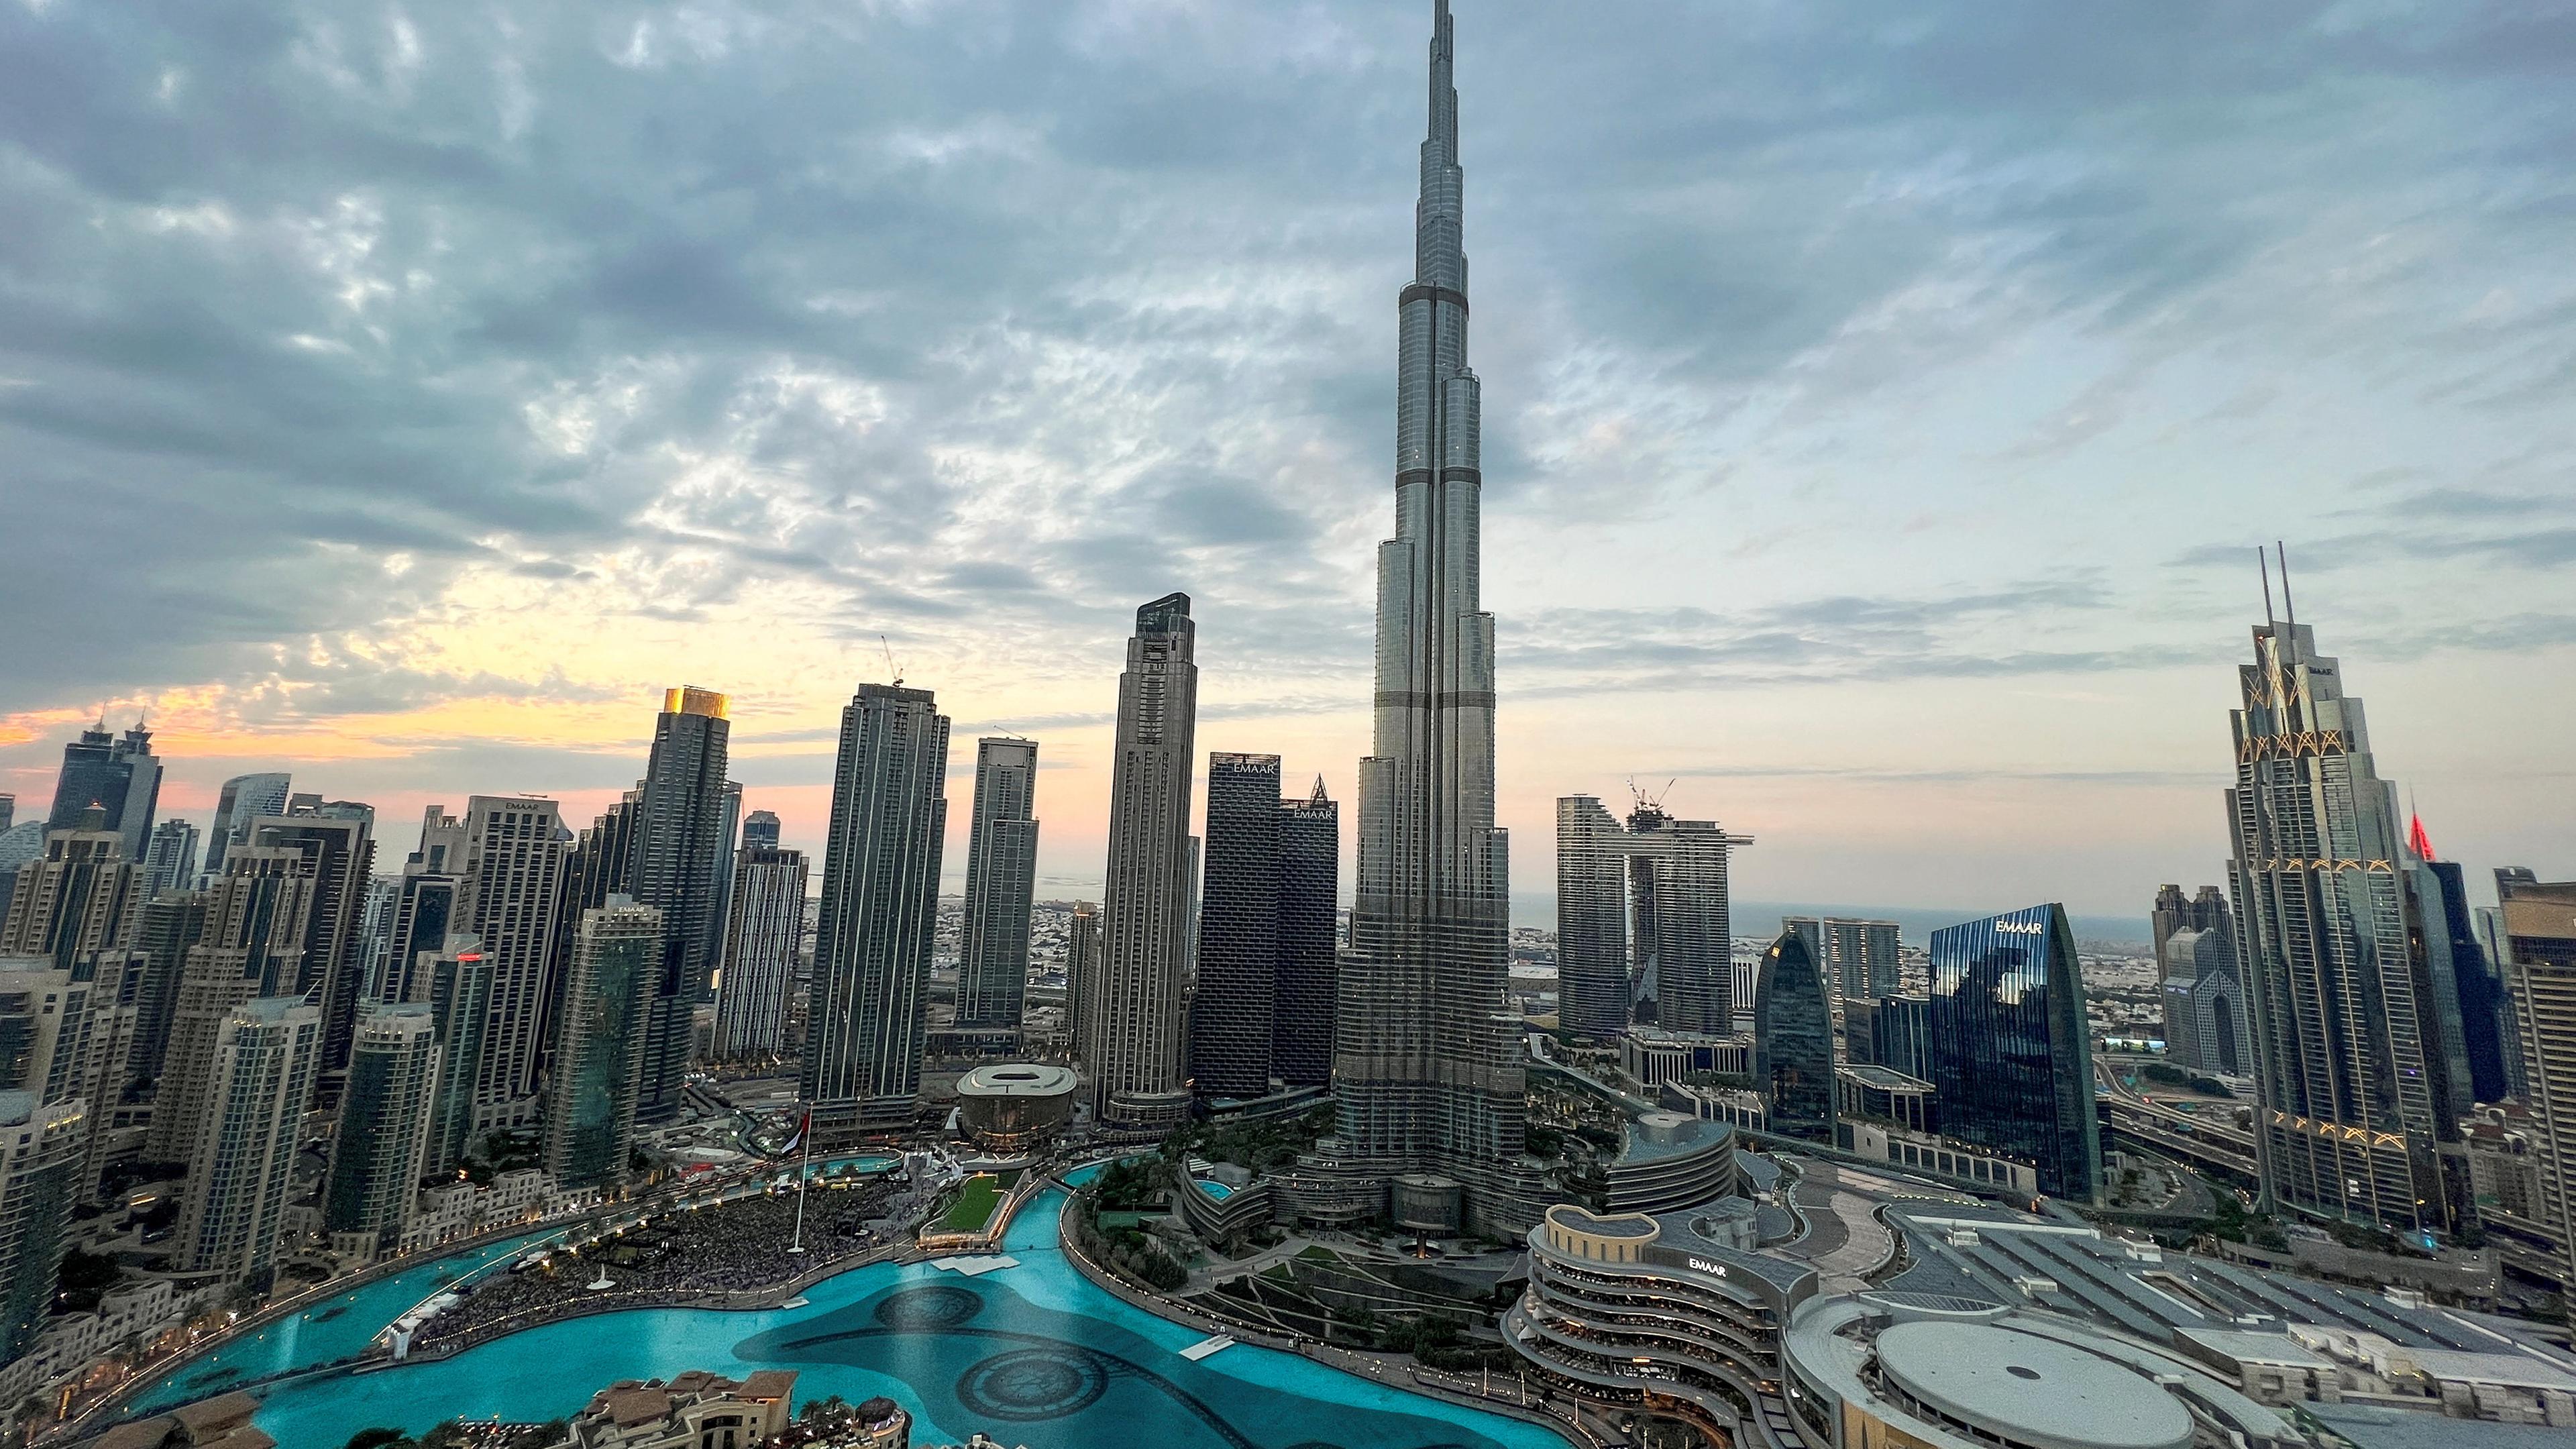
point(760, 953)
point(1133, 1022)
point(1081, 963)
point(1793, 1041)
point(250, 944)
point(864, 1017)
point(166, 926)
point(378, 911)
point(118, 774)
point(42, 1145)
point(384, 1129)
point(2012, 1054)
point(170, 859)
point(337, 841)
point(683, 832)
point(1642, 923)
point(76, 900)
point(429, 902)
point(244, 798)
point(2538, 920)
point(1262, 1016)
point(2346, 1115)
point(515, 858)
point(617, 959)
point(760, 830)
point(1001, 887)
point(1859, 957)
point(8, 810)
point(458, 989)
point(265, 1054)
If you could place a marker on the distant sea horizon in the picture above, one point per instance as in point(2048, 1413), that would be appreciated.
point(1914, 924)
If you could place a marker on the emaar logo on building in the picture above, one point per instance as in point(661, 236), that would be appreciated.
point(2022, 928)
point(1702, 1265)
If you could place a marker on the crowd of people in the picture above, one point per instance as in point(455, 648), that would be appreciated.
point(735, 1247)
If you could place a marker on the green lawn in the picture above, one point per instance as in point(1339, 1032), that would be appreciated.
point(977, 1196)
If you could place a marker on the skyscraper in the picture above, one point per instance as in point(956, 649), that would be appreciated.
point(1859, 957)
point(1001, 885)
point(1081, 964)
point(459, 985)
point(1238, 956)
point(1642, 917)
point(1592, 974)
point(2470, 1015)
point(42, 1145)
point(617, 958)
point(77, 900)
point(682, 836)
point(864, 1012)
point(265, 1052)
point(166, 926)
point(515, 854)
point(2539, 934)
point(337, 841)
point(2206, 911)
point(244, 798)
point(2345, 1116)
point(760, 830)
point(2205, 1008)
point(1133, 1021)
point(384, 1129)
point(2012, 1055)
point(429, 900)
point(1310, 886)
point(1266, 960)
point(1427, 1067)
point(119, 774)
point(760, 953)
point(250, 944)
point(170, 859)
point(1793, 1041)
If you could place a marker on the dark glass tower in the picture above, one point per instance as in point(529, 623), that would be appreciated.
point(119, 774)
point(1001, 885)
point(682, 835)
point(2012, 1056)
point(1793, 1041)
point(1238, 965)
point(1310, 884)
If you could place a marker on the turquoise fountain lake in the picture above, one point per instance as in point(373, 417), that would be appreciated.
point(1033, 1354)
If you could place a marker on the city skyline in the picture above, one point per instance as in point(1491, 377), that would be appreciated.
point(1720, 569)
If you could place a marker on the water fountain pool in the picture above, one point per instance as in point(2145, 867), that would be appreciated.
point(1032, 1354)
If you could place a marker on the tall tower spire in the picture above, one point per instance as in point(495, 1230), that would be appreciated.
point(1428, 1071)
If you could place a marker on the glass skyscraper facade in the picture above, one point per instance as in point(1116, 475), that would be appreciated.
point(1793, 1041)
point(590, 1123)
point(2012, 1055)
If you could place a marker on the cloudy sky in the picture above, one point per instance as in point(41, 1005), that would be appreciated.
point(1882, 405)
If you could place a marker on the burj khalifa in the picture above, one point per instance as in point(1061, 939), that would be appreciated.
point(1427, 1066)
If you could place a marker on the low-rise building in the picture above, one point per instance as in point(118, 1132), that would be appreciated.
point(1666, 1311)
point(1652, 1056)
point(1933, 1372)
point(1880, 1141)
point(1865, 1090)
point(695, 1410)
point(217, 1423)
point(1734, 1106)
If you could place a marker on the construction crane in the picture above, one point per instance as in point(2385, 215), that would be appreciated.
point(893, 670)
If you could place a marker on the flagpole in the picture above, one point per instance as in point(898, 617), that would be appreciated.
point(803, 1171)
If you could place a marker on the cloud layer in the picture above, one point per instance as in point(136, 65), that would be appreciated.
point(410, 392)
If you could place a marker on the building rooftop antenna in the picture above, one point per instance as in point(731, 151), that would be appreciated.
point(2289, 608)
point(2263, 562)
